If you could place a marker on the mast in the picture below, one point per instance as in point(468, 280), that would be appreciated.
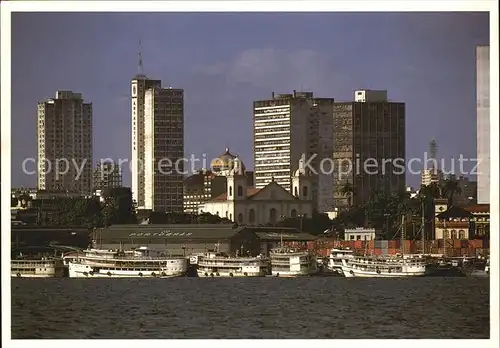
point(402, 236)
point(423, 228)
point(444, 238)
point(140, 69)
point(281, 239)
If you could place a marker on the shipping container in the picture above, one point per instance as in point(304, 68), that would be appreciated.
point(464, 243)
point(478, 243)
point(457, 243)
point(378, 244)
point(392, 251)
point(385, 244)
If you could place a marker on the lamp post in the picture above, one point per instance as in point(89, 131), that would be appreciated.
point(301, 216)
point(386, 215)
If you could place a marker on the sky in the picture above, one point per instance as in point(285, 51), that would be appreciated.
point(225, 61)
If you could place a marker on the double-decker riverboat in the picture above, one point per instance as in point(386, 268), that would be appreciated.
point(141, 263)
point(214, 264)
point(36, 268)
point(370, 266)
point(288, 262)
point(335, 259)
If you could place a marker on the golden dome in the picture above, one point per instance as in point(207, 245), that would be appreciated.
point(224, 162)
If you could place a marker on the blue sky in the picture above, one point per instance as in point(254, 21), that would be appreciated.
point(225, 61)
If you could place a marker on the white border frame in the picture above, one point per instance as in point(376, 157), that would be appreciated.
point(248, 6)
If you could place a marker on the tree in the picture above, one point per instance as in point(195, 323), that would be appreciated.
point(451, 187)
point(348, 191)
point(119, 206)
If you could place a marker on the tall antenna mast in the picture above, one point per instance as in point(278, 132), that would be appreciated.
point(433, 149)
point(140, 69)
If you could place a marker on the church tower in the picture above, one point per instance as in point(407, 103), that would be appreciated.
point(237, 182)
point(301, 183)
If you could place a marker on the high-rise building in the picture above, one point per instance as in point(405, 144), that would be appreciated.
point(483, 123)
point(64, 133)
point(157, 145)
point(368, 147)
point(287, 127)
point(201, 187)
point(432, 175)
point(106, 175)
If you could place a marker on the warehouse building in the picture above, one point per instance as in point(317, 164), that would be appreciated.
point(192, 238)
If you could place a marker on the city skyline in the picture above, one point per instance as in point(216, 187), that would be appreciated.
point(222, 93)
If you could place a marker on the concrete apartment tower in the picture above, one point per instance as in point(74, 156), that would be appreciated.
point(286, 127)
point(157, 142)
point(368, 130)
point(106, 175)
point(483, 123)
point(64, 133)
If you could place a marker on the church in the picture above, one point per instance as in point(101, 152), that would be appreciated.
point(250, 206)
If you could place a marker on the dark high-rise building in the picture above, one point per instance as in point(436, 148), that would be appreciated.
point(368, 147)
point(106, 175)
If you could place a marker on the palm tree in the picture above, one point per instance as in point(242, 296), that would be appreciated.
point(349, 191)
point(451, 187)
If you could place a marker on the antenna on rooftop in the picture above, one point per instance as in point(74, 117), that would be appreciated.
point(140, 69)
point(433, 149)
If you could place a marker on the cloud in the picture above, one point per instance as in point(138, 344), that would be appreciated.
point(278, 70)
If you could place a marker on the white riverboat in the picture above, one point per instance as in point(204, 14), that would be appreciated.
point(393, 267)
point(140, 263)
point(288, 262)
point(221, 265)
point(336, 257)
point(42, 268)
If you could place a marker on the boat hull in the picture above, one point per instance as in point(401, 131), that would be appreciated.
point(30, 275)
point(206, 274)
point(357, 273)
point(77, 270)
point(293, 274)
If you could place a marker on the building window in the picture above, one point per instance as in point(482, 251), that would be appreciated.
point(240, 191)
point(453, 234)
point(296, 192)
point(293, 213)
point(251, 216)
point(240, 218)
point(272, 215)
point(461, 234)
point(230, 191)
point(304, 191)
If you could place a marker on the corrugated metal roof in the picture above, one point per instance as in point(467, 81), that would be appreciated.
point(190, 231)
point(286, 236)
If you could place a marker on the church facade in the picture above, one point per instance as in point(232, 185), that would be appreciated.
point(250, 206)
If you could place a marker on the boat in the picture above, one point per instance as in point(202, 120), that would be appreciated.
point(335, 259)
point(370, 266)
point(220, 265)
point(479, 268)
point(400, 265)
point(36, 268)
point(141, 263)
point(288, 262)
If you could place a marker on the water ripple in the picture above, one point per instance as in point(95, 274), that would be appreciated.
point(250, 308)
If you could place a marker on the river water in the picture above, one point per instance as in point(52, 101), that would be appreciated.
point(313, 307)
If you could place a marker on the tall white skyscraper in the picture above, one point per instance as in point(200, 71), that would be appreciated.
point(483, 123)
point(286, 127)
point(64, 133)
point(157, 145)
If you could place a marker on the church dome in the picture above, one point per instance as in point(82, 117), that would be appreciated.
point(225, 162)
